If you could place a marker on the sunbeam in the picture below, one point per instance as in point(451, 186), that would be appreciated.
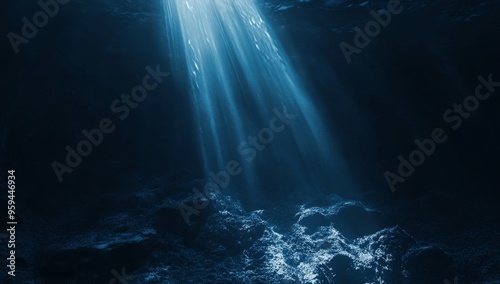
point(240, 78)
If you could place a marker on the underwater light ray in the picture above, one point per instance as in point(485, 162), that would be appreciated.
point(238, 73)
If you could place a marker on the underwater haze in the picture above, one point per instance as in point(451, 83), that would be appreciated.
point(250, 141)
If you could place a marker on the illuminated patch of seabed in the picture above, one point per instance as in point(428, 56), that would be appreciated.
point(298, 255)
point(238, 73)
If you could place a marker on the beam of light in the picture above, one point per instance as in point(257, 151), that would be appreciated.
point(238, 73)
